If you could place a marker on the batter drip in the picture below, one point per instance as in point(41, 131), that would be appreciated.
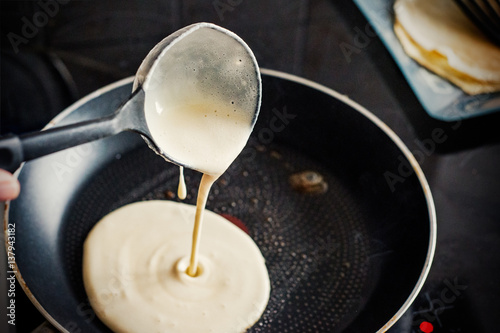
point(136, 266)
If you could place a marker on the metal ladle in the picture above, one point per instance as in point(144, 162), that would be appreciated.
point(200, 53)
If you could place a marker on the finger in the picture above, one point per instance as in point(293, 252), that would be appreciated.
point(9, 186)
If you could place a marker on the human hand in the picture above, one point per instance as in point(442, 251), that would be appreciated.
point(9, 186)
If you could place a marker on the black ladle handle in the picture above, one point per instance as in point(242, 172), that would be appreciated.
point(16, 149)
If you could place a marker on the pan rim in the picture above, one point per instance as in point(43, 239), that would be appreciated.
point(290, 77)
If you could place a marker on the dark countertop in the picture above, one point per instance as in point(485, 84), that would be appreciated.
point(101, 42)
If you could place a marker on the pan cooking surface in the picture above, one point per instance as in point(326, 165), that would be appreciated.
point(345, 260)
point(315, 245)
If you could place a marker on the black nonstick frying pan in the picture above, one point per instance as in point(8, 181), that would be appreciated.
point(337, 204)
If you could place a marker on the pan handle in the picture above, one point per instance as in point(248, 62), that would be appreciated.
point(16, 149)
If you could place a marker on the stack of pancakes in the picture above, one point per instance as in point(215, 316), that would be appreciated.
point(439, 36)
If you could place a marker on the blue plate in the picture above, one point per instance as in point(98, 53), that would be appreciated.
point(440, 98)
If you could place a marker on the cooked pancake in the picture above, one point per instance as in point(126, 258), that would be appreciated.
point(441, 38)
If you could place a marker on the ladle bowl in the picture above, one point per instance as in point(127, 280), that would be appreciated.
point(170, 67)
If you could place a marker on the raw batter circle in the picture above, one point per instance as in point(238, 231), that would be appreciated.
point(134, 271)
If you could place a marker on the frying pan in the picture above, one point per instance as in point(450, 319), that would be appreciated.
point(347, 256)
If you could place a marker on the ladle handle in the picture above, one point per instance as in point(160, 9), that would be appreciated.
point(16, 149)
